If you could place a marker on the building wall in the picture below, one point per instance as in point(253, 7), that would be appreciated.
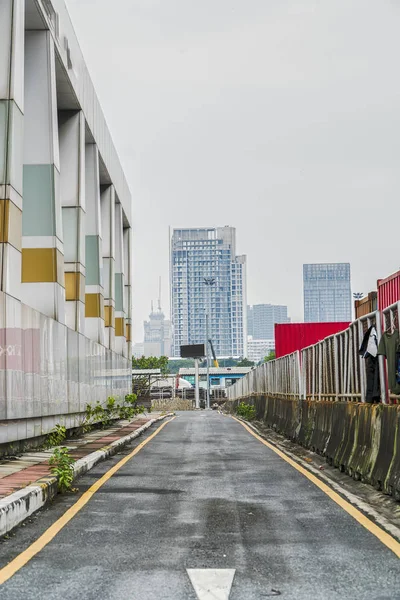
point(65, 221)
point(327, 292)
point(258, 349)
point(261, 319)
point(157, 335)
point(200, 253)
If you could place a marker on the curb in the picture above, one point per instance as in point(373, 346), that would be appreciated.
point(20, 505)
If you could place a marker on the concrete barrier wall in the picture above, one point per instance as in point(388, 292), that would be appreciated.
point(360, 439)
point(49, 373)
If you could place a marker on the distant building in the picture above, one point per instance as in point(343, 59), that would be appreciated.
point(261, 319)
point(157, 334)
point(327, 292)
point(258, 349)
point(210, 253)
point(138, 350)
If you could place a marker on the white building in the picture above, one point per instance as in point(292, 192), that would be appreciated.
point(258, 349)
point(157, 335)
point(66, 216)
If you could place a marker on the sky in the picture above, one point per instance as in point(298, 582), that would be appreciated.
point(278, 117)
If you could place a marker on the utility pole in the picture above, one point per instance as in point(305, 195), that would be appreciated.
point(196, 382)
point(209, 281)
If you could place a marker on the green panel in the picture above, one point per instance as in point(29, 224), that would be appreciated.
point(119, 291)
point(92, 247)
point(38, 215)
point(3, 129)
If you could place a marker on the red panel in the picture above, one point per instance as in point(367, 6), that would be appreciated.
point(388, 290)
point(290, 337)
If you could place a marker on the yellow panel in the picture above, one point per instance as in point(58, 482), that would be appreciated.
point(41, 265)
point(94, 305)
point(15, 226)
point(109, 316)
point(74, 285)
point(128, 329)
point(4, 211)
point(120, 327)
point(10, 223)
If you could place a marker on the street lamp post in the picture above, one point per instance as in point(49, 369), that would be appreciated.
point(209, 282)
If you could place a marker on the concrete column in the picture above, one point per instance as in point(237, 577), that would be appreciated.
point(94, 292)
point(42, 246)
point(108, 231)
point(120, 340)
point(72, 180)
point(12, 41)
point(128, 288)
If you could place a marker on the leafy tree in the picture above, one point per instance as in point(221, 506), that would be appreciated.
point(271, 356)
point(245, 362)
point(151, 362)
point(183, 363)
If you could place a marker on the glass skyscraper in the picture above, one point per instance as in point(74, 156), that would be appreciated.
point(327, 292)
point(197, 254)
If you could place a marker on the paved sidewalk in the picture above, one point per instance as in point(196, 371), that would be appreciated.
point(18, 472)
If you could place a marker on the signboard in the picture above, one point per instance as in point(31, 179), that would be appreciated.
point(193, 351)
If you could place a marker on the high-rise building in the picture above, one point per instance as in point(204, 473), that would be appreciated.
point(157, 334)
point(261, 319)
point(327, 292)
point(208, 254)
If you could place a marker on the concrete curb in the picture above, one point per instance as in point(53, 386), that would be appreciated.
point(20, 505)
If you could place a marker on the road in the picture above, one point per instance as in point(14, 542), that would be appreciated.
point(202, 494)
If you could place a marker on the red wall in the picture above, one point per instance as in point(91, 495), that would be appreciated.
point(290, 337)
point(388, 290)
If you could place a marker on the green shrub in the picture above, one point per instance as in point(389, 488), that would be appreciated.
point(63, 469)
point(246, 411)
point(111, 411)
point(56, 436)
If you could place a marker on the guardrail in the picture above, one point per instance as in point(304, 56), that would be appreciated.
point(329, 370)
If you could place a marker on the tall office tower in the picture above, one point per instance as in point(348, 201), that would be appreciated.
point(327, 292)
point(207, 276)
point(261, 319)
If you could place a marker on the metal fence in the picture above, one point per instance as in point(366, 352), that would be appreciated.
point(329, 370)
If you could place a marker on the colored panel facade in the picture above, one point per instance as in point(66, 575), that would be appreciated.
point(208, 254)
point(327, 292)
point(61, 184)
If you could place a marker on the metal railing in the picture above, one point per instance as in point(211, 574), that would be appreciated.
point(330, 370)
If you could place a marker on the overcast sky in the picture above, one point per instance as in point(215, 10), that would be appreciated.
point(278, 117)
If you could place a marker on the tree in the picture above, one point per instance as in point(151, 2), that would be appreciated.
point(151, 362)
point(271, 356)
point(245, 362)
point(180, 363)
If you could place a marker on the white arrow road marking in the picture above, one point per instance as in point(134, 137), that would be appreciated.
point(212, 584)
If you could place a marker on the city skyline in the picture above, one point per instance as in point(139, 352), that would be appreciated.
point(292, 148)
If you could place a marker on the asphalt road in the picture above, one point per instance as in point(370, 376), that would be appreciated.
point(203, 494)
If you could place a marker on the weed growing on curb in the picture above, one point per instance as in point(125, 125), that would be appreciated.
point(56, 436)
point(111, 411)
point(62, 463)
point(246, 411)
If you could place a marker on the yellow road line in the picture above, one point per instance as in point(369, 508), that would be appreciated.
point(22, 559)
point(382, 536)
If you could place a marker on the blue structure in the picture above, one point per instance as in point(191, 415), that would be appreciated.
point(327, 292)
